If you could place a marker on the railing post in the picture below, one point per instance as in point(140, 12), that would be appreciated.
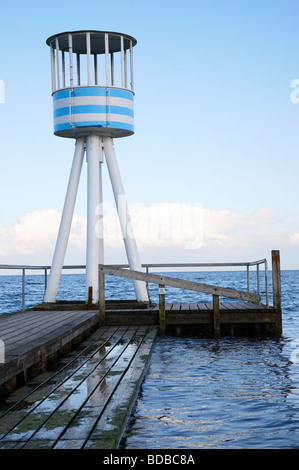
point(216, 315)
point(267, 283)
point(89, 302)
point(248, 279)
point(23, 290)
point(146, 270)
point(101, 298)
point(276, 283)
point(162, 316)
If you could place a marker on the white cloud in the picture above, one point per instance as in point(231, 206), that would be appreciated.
point(233, 229)
point(37, 231)
point(294, 238)
point(164, 225)
point(158, 228)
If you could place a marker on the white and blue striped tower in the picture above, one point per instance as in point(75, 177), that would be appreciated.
point(93, 100)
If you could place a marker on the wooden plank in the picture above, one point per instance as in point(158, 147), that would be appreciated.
point(110, 425)
point(176, 307)
point(30, 325)
point(63, 331)
point(250, 317)
point(103, 380)
point(36, 331)
point(9, 328)
point(185, 307)
point(162, 315)
point(190, 318)
point(276, 281)
point(14, 416)
point(102, 312)
point(245, 306)
point(232, 306)
point(216, 315)
point(76, 416)
point(179, 283)
point(25, 350)
point(59, 404)
point(130, 318)
point(209, 305)
point(193, 306)
point(203, 306)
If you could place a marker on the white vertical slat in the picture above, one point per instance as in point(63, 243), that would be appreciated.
point(88, 58)
point(57, 63)
point(107, 59)
point(53, 75)
point(131, 66)
point(63, 70)
point(125, 67)
point(70, 40)
point(122, 61)
point(112, 69)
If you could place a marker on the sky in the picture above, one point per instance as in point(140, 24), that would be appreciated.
point(211, 173)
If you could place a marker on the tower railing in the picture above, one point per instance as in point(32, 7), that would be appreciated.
point(91, 58)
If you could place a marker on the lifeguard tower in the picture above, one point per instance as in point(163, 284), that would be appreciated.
point(93, 101)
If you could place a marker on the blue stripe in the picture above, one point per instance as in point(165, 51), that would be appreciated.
point(93, 108)
point(93, 91)
point(112, 124)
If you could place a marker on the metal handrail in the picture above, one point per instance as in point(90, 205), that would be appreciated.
point(179, 283)
point(147, 266)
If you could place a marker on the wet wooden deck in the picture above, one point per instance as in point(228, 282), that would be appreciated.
point(86, 403)
point(33, 337)
point(195, 313)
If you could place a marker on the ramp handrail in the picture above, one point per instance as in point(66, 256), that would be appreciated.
point(163, 281)
point(179, 283)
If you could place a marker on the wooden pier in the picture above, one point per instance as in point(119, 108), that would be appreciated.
point(86, 399)
point(86, 402)
point(232, 318)
point(244, 313)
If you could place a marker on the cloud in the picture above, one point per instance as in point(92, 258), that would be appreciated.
point(157, 227)
point(234, 229)
point(37, 231)
point(165, 225)
point(294, 238)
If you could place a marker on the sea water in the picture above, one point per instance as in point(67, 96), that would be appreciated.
point(232, 392)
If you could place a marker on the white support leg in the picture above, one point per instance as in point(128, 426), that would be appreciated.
point(66, 222)
point(124, 217)
point(93, 150)
point(100, 231)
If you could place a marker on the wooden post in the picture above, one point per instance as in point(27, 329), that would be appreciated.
point(162, 316)
point(276, 283)
point(46, 278)
point(216, 315)
point(89, 305)
point(101, 298)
